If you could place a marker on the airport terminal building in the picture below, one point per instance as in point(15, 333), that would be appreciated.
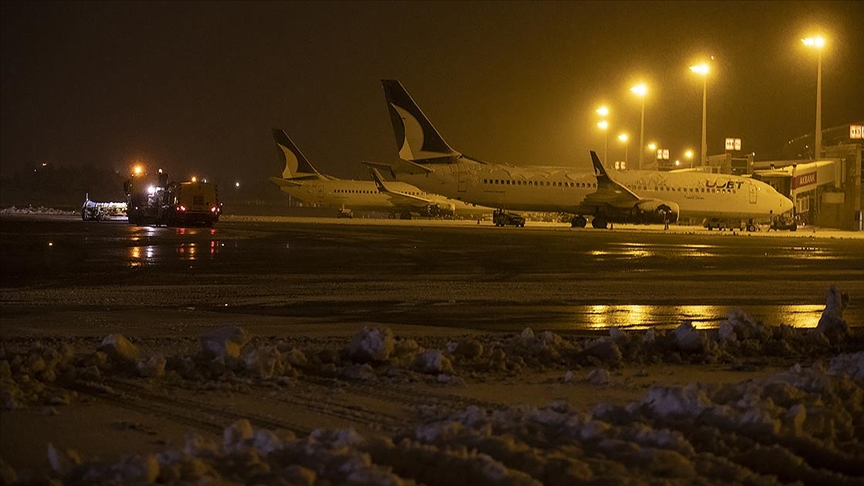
point(827, 191)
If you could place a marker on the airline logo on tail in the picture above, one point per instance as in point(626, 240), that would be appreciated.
point(416, 138)
point(296, 164)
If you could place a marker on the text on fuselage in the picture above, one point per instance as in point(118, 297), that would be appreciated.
point(730, 184)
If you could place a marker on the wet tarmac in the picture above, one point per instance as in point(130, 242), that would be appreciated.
point(60, 272)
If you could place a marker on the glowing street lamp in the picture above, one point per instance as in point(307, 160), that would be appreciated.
point(702, 69)
point(641, 90)
point(689, 155)
point(604, 125)
point(623, 138)
point(603, 111)
point(817, 43)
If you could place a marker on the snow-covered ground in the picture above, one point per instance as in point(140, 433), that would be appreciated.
point(771, 405)
point(31, 211)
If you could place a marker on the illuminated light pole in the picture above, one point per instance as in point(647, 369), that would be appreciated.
point(817, 43)
point(604, 125)
point(703, 70)
point(603, 111)
point(623, 138)
point(653, 148)
point(641, 90)
point(689, 155)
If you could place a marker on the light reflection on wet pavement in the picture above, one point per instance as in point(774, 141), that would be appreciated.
point(453, 275)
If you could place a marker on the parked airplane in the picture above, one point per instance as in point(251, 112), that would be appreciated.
point(302, 181)
point(428, 162)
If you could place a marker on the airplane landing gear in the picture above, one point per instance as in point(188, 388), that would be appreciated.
point(578, 222)
point(599, 222)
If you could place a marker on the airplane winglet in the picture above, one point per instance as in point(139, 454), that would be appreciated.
point(403, 197)
point(377, 165)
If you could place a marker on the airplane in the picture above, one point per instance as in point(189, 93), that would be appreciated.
point(302, 181)
point(428, 162)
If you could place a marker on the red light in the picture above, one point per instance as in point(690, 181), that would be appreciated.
point(213, 209)
point(181, 208)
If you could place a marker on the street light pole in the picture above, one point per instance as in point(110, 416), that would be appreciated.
point(818, 105)
point(642, 135)
point(623, 138)
point(604, 125)
point(703, 161)
point(703, 70)
point(817, 43)
point(641, 90)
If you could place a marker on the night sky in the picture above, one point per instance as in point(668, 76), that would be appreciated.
point(196, 87)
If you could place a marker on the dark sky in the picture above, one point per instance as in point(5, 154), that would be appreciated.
point(196, 87)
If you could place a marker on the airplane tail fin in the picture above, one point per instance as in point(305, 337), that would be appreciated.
point(607, 187)
point(417, 140)
point(379, 181)
point(599, 170)
point(296, 164)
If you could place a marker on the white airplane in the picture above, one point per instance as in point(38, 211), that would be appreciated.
point(428, 162)
point(302, 181)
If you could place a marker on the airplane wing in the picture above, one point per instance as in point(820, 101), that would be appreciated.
point(284, 182)
point(402, 166)
point(396, 197)
point(609, 192)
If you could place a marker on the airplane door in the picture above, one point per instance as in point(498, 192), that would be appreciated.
point(461, 179)
point(321, 193)
point(753, 193)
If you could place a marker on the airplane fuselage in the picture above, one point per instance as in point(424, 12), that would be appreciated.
point(365, 196)
point(698, 194)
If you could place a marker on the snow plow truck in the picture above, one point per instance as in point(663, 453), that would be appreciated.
point(153, 200)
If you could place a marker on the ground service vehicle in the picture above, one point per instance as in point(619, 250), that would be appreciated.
point(98, 211)
point(503, 218)
point(146, 198)
point(784, 222)
point(155, 201)
point(193, 203)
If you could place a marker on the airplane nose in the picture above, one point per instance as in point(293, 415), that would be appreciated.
point(785, 206)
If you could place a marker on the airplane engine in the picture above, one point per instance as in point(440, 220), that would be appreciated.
point(656, 211)
point(432, 210)
point(447, 211)
point(442, 210)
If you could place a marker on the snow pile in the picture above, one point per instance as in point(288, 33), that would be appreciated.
point(371, 344)
point(223, 343)
point(804, 424)
point(831, 323)
point(230, 358)
point(244, 456)
point(801, 425)
point(37, 210)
